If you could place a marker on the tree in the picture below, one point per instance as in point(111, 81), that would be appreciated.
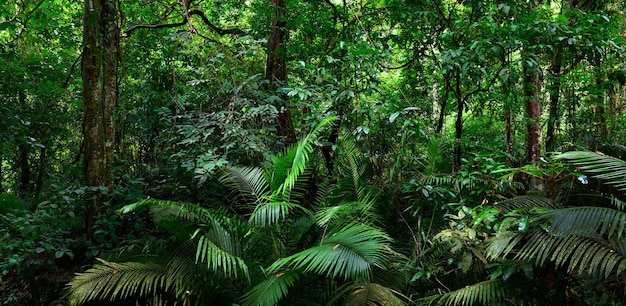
point(101, 39)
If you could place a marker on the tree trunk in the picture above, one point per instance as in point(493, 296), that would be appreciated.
point(442, 110)
point(458, 124)
point(532, 103)
point(555, 88)
point(99, 77)
point(24, 188)
point(276, 70)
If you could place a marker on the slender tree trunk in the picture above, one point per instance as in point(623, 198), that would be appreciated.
point(99, 77)
point(555, 88)
point(532, 102)
point(442, 110)
point(458, 124)
point(276, 69)
point(24, 187)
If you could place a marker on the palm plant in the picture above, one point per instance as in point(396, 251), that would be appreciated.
point(299, 247)
point(586, 242)
point(205, 248)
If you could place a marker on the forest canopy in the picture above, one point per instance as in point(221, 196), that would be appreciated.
point(312, 152)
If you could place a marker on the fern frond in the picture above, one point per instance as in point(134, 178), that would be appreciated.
point(112, 281)
point(270, 291)
point(483, 293)
point(350, 253)
point(609, 169)
point(587, 221)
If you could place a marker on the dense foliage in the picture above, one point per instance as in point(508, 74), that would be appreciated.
point(282, 152)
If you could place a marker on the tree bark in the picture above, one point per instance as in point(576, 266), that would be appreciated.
point(555, 89)
point(532, 103)
point(458, 124)
point(99, 79)
point(276, 70)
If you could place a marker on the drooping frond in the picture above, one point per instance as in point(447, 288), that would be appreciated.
point(503, 244)
point(358, 211)
point(272, 212)
point(522, 202)
point(610, 170)
point(219, 260)
point(588, 221)
point(270, 291)
point(290, 165)
point(483, 293)
point(578, 254)
point(250, 182)
point(369, 294)
point(349, 155)
point(349, 253)
point(164, 209)
point(111, 281)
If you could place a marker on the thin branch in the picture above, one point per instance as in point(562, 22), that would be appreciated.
point(206, 21)
point(69, 75)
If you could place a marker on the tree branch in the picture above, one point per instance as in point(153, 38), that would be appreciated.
point(206, 21)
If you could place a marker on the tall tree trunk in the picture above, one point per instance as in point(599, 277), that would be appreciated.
point(555, 88)
point(458, 124)
point(99, 77)
point(532, 104)
point(276, 69)
point(442, 109)
point(24, 188)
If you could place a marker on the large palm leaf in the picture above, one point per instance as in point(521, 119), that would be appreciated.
point(273, 190)
point(368, 294)
point(350, 253)
point(610, 170)
point(173, 270)
point(491, 292)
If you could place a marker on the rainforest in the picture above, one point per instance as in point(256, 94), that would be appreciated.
point(312, 152)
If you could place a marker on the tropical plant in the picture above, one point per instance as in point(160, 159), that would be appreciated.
point(584, 242)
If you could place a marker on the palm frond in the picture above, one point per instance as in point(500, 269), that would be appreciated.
point(483, 293)
point(111, 281)
point(293, 162)
point(522, 202)
point(350, 253)
point(587, 221)
point(369, 294)
point(249, 181)
point(219, 260)
point(272, 212)
point(503, 244)
point(350, 152)
point(578, 254)
point(609, 169)
point(270, 291)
